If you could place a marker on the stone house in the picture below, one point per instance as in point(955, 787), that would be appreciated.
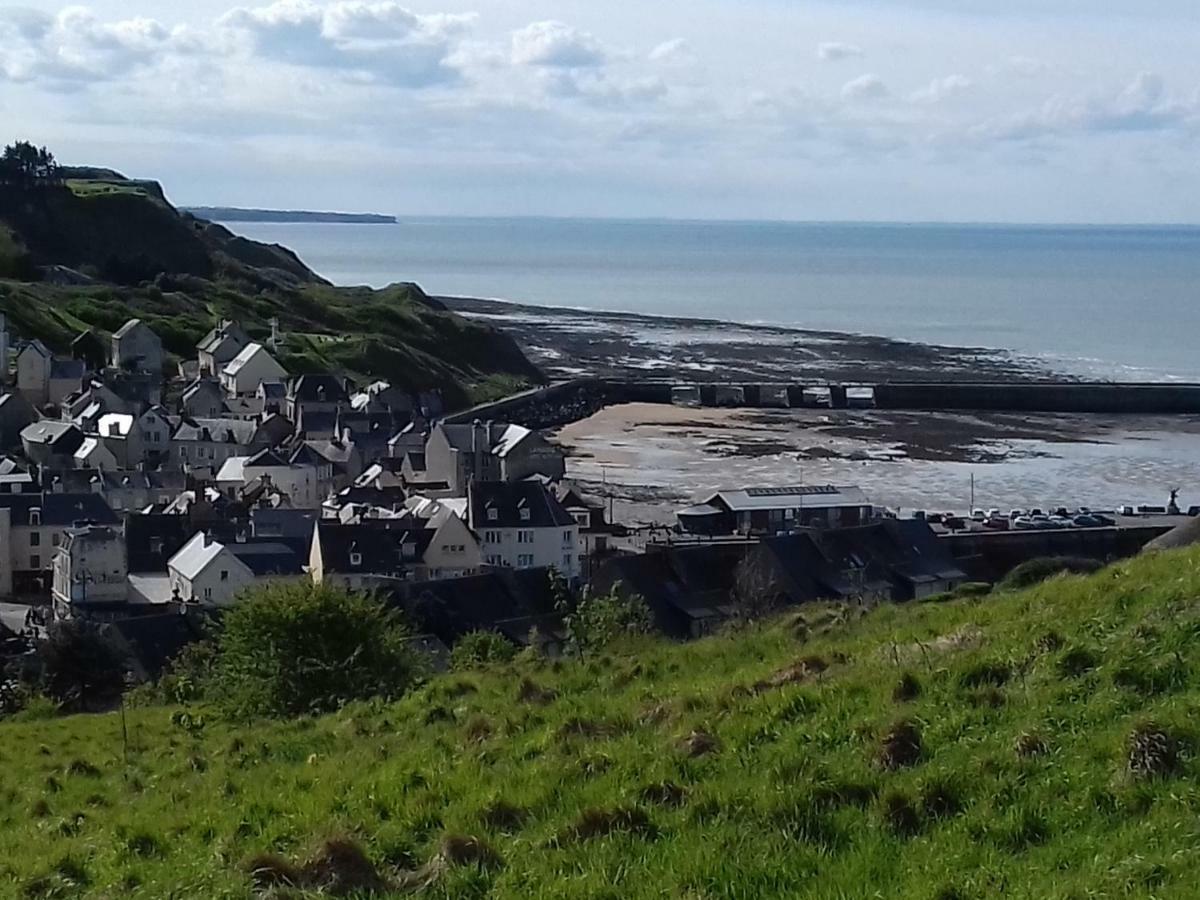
point(199, 445)
point(489, 451)
point(203, 399)
point(136, 348)
point(242, 375)
point(90, 576)
point(221, 346)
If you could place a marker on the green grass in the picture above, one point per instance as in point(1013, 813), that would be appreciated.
point(84, 187)
point(675, 771)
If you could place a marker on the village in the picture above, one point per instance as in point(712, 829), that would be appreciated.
point(145, 503)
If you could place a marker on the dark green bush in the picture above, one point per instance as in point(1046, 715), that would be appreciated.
point(1035, 571)
point(294, 649)
point(81, 668)
point(481, 648)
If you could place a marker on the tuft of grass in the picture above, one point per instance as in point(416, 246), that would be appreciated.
point(900, 746)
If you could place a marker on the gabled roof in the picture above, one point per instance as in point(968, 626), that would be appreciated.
point(265, 558)
point(205, 385)
point(509, 499)
point(64, 437)
point(386, 547)
point(266, 458)
point(196, 555)
point(222, 431)
point(806, 497)
point(321, 387)
point(128, 328)
point(249, 352)
point(38, 347)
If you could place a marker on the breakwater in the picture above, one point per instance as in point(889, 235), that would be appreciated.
point(564, 402)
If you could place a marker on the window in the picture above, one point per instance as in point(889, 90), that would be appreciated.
point(492, 537)
point(493, 514)
point(525, 561)
point(493, 560)
point(524, 537)
point(568, 561)
point(183, 452)
point(208, 593)
point(525, 514)
point(55, 539)
point(35, 517)
point(568, 539)
point(356, 559)
point(35, 539)
point(224, 574)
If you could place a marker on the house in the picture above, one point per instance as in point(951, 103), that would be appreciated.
point(297, 477)
point(205, 444)
point(136, 348)
point(89, 573)
point(521, 525)
point(206, 572)
point(367, 555)
point(89, 349)
point(151, 539)
point(16, 413)
point(409, 439)
point(136, 441)
point(32, 526)
point(489, 451)
point(95, 398)
point(124, 489)
point(51, 443)
point(202, 399)
point(382, 396)
point(453, 550)
point(321, 393)
point(242, 375)
point(45, 380)
point(271, 396)
point(596, 533)
point(775, 510)
point(94, 454)
point(220, 347)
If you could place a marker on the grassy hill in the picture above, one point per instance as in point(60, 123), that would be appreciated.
point(1028, 745)
point(113, 248)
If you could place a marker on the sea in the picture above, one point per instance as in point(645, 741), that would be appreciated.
point(1110, 303)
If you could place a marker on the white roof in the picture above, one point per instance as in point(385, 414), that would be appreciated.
point(115, 424)
point(233, 469)
point(248, 353)
point(150, 588)
point(87, 448)
point(196, 556)
point(512, 436)
point(807, 497)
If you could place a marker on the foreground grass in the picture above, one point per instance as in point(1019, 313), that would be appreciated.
point(747, 765)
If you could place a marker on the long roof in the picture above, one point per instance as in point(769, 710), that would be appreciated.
point(195, 556)
point(509, 498)
point(792, 497)
point(248, 353)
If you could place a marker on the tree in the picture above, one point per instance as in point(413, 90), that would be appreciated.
point(292, 649)
point(82, 669)
point(24, 166)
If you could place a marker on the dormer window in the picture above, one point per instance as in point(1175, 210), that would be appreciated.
point(525, 514)
point(355, 558)
point(493, 514)
point(35, 516)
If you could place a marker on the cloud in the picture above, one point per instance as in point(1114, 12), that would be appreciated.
point(381, 40)
point(941, 89)
point(601, 89)
point(677, 50)
point(864, 87)
point(557, 45)
point(75, 46)
point(834, 51)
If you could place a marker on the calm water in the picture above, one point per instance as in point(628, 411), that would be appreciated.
point(1120, 303)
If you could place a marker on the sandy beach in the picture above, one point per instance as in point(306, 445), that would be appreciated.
point(652, 458)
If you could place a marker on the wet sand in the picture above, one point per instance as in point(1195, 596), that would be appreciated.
point(653, 459)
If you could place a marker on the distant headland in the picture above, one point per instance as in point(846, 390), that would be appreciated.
point(234, 214)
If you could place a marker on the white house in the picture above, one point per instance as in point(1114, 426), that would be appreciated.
point(89, 570)
point(205, 571)
point(254, 365)
point(299, 480)
point(521, 525)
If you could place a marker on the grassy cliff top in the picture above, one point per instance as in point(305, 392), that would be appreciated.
point(1033, 744)
point(111, 248)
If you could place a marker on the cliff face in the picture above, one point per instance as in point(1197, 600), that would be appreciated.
point(100, 248)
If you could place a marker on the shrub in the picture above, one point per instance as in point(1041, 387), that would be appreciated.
point(1035, 571)
point(83, 670)
point(481, 648)
point(597, 622)
point(293, 649)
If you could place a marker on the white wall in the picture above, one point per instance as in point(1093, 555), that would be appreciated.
point(531, 548)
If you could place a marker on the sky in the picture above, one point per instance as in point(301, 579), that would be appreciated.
point(877, 110)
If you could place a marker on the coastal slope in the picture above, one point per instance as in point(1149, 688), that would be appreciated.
point(98, 248)
point(1034, 743)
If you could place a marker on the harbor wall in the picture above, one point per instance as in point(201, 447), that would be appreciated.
point(1065, 397)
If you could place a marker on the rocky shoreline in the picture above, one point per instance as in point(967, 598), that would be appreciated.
point(567, 343)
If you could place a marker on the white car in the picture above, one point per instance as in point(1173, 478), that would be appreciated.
point(1024, 523)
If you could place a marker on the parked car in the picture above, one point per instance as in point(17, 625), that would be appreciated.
point(993, 514)
point(1193, 511)
point(996, 523)
point(1085, 521)
point(919, 515)
point(978, 515)
point(1016, 514)
point(1105, 521)
point(1085, 510)
point(1024, 523)
point(1036, 513)
point(1061, 512)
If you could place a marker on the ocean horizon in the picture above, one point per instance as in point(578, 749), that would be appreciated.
point(1098, 301)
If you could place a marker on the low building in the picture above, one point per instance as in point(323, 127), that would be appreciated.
point(242, 375)
point(90, 576)
point(776, 510)
point(521, 525)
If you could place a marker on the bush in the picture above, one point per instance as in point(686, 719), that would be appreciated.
point(481, 648)
point(82, 669)
point(294, 649)
point(598, 622)
point(1035, 571)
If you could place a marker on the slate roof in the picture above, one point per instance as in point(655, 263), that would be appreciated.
point(63, 437)
point(308, 388)
point(143, 531)
point(60, 509)
point(222, 431)
point(127, 329)
point(509, 499)
point(63, 369)
point(239, 362)
point(808, 497)
point(380, 543)
point(266, 558)
point(501, 437)
point(196, 555)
